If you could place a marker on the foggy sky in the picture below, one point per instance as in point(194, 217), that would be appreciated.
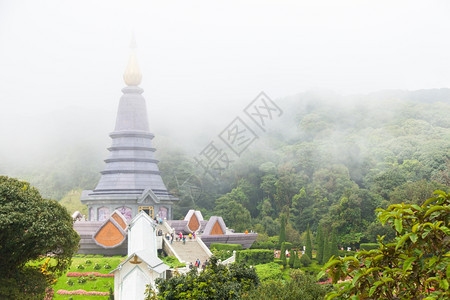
point(61, 62)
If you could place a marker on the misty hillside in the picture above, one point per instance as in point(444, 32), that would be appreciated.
point(328, 155)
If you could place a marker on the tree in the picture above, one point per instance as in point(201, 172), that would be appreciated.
point(283, 253)
point(326, 248)
point(282, 237)
point(415, 266)
point(32, 227)
point(308, 243)
point(297, 263)
point(301, 286)
point(217, 281)
point(333, 244)
point(319, 240)
point(234, 214)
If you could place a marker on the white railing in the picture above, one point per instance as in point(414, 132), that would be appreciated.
point(204, 247)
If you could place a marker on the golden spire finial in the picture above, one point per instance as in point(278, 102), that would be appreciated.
point(132, 75)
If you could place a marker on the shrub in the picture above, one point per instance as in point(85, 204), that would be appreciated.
point(263, 245)
point(254, 257)
point(69, 282)
point(91, 277)
point(270, 271)
point(107, 266)
point(368, 246)
point(343, 253)
point(305, 260)
point(88, 262)
point(227, 247)
point(81, 280)
point(97, 266)
point(81, 267)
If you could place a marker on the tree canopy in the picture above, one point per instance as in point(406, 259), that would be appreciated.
point(31, 228)
point(415, 266)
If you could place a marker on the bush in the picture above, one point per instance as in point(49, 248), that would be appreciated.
point(81, 280)
point(263, 245)
point(88, 262)
point(69, 282)
point(107, 266)
point(97, 266)
point(254, 257)
point(368, 246)
point(343, 253)
point(81, 267)
point(305, 260)
point(226, 247)
point(270, 271)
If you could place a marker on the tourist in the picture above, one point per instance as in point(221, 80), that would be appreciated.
point(171, 238)
point(184, 239)
point(191, 266)
point(193, 234)
point(197, 262)
point(190, 236)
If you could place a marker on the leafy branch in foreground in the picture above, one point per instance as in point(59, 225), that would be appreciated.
point(415, 266)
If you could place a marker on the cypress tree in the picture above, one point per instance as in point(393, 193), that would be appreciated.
point(308, 243)
point(333, 244)
point(319, 240)
point(292, 259)
point(282, 237)
point(326, 248)
point(297, 264)
point(283, 254)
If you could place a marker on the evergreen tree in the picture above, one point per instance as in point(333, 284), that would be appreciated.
point(308, 243)
point(292, 259)
point(319, 248)
point(326, 248)
point(333, 244)
point(282, 237)
point(297, 263)
point(283, 254)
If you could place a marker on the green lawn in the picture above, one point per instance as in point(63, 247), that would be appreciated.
point(88, 263)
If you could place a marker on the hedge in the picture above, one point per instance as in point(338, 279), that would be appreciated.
point(368, 246)
point(263, 245)
point(226, 247)
point(254, 257)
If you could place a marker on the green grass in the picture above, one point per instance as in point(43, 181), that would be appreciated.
point(100, 284)
point(172, 262)
point(271, 271)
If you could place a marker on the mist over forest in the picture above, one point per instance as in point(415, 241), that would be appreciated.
point(329, 159)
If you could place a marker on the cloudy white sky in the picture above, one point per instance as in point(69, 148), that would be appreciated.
point(202, 59)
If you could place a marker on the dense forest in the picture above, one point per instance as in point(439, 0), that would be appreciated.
point(329, 161)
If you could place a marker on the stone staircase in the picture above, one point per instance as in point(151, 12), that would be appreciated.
point(190, 251)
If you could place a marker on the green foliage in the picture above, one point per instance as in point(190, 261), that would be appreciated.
point(292, 258)
point(231, 208)
point(228, 247)
point(254, 257)
point(297, 263)
point(31, 227)
point(282, 236)
point(319, 240)
point(269, 271)
point(368, 246)
point(300, 286)
point(215, 282)
point(172, 262)
point(333, 244)
point(264, 245)
point(305, 260)
point(308, 243)
point(283, 254)
point(415, 266)
point(326, 249)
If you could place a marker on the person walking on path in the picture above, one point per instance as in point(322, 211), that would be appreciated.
point(184, 239)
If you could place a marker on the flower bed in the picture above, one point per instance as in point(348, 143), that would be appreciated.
point(82, 292)
point(96, 274)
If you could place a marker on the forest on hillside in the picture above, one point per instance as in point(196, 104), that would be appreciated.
point(329, 161)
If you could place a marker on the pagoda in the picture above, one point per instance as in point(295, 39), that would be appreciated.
point(131, 181)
